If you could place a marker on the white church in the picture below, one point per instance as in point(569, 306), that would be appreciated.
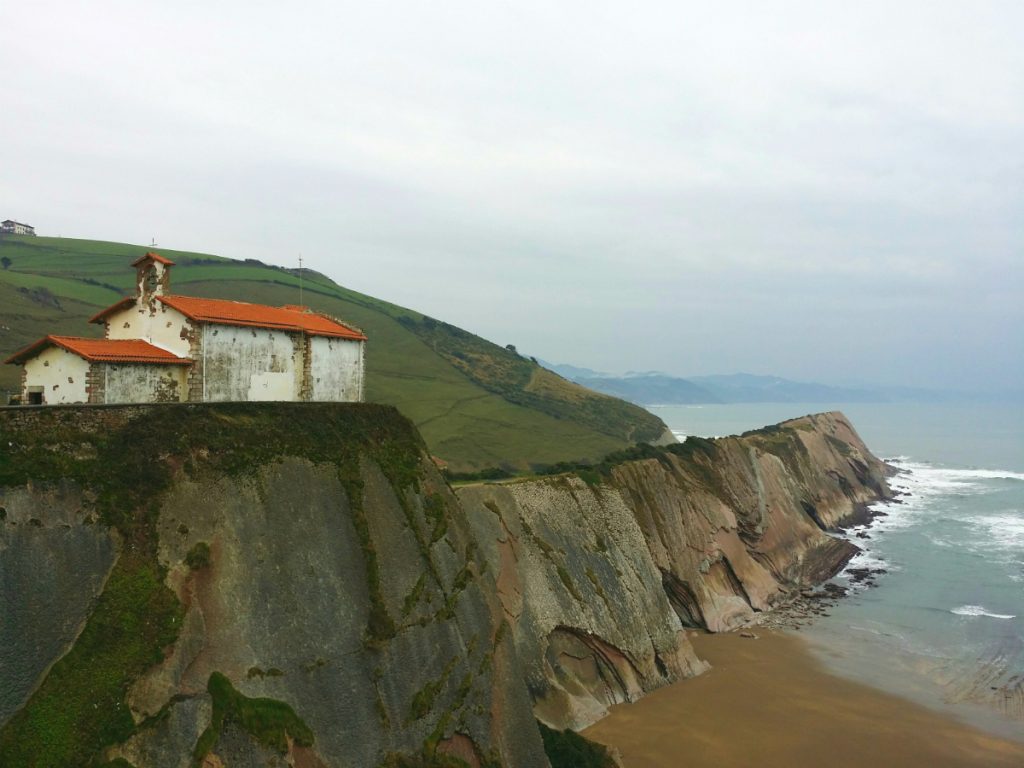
point(159, 347)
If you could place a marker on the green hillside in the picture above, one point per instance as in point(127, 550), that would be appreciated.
point(476, 403)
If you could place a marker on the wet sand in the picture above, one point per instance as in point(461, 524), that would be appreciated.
point(768, 702)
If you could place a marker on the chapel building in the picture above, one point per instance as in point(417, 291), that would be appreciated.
point(159, 347)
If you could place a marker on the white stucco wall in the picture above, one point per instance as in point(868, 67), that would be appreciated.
point(158, 324)
point(144, 383)
point(336, 368)
point(242, 363)
point(60, 373)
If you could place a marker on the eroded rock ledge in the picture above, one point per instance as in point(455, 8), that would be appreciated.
point(267, 584)
point(599, 579)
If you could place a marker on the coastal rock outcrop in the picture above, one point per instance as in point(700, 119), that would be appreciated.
point(267, 584)
point(583, 598)
point(288, 583)
point(598, 575)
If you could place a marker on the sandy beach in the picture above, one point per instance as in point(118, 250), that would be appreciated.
point(768, 702)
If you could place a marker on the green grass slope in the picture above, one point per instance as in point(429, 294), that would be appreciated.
point(476, 403)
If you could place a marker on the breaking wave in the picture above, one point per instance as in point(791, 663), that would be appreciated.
point(979, 610)
point(924, 494)
point(1004, 529)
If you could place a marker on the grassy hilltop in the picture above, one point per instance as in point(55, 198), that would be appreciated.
point(477, 404)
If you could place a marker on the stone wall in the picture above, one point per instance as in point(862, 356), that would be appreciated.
point(96, 384)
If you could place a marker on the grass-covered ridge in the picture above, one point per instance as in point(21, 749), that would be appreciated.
point(477, 404)
point(699, 453)
point(132, 464)
point(521, 380)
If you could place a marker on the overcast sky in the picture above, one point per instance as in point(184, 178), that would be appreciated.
point(827, 191)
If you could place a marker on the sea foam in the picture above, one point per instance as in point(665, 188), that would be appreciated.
point(1004, 529)
point(922, 490)
point(979, 610)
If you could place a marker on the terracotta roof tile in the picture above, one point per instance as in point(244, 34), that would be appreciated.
point(102, 350)
point(259, 316)
point(154, 257)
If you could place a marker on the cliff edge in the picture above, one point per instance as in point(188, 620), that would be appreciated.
point(235, 584)
point(246, 584)
point(598, 573)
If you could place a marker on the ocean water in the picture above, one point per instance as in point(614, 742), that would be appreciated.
point(944, 624)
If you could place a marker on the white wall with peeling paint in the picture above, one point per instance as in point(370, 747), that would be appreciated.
point(60, 373)
point(156, 323)
point(241, 363)
point(238, 363)
point(336, 369)
point(145, 383)
point(160, 274)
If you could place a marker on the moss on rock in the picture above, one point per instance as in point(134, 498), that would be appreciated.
point(80, 706)
point(269, 721)
point(567, 749)
point(125, 458)
point(199, 556)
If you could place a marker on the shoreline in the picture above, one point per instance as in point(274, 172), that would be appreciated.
point(770, 701)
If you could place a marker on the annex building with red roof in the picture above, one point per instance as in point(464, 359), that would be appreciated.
point(159, 347)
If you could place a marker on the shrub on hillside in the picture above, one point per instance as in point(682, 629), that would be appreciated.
point(567, 749)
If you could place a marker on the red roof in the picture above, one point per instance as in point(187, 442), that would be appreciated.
point(154, 257)
point(103, 350)
point(127, 301)
point(259, 316)
point(290, 317)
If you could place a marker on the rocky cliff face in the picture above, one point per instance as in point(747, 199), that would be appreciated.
point(246, 584)
point(599, 578)
point(234, 585)
point(581, 593)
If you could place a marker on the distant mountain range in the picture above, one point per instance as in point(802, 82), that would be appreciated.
point(656, 388)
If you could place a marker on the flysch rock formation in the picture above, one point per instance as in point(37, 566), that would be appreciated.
point(295, 584)
point(583, 597)
point(319, 601)
point(52, 566)
point(598, 580)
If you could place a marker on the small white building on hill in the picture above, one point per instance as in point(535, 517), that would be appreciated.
point(12, 227)
point(159, 347)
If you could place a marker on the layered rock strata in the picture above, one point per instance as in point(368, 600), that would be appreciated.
point(598, 578)
point(255, 585)
point(268, 585)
